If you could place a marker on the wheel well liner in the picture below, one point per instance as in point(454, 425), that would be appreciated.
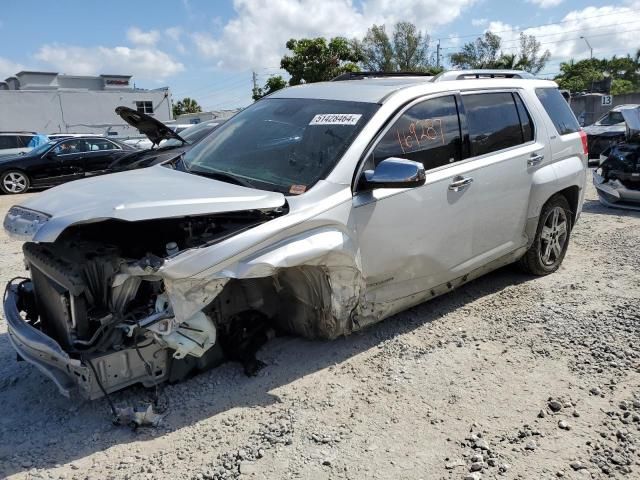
point(572, 194)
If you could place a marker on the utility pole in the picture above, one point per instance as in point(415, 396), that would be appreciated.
point(255, 81)
point(438, 54)
point(590, 47)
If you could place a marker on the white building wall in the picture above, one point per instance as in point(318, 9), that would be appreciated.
point(76, 111)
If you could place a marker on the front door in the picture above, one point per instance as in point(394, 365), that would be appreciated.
point(62, 163)
point(412, 239)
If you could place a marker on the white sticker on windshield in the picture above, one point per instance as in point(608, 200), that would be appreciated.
point(335, 119)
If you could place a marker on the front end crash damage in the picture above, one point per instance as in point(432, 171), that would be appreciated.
point(617, 180)
point(103, 308)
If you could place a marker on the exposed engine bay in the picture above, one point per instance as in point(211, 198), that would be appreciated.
point(617, 179)
point(96, 292)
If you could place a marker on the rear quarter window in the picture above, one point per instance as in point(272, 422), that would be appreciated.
point(558, 110)
point(9, 141)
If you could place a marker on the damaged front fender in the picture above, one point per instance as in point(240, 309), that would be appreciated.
point(315, 274)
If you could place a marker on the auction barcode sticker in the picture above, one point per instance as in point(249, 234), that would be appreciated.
point(335, 119)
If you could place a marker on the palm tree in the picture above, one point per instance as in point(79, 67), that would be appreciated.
point(186, 105)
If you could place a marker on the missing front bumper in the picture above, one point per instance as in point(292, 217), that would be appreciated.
point(73, 377)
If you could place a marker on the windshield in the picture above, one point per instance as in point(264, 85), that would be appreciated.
point(611, 118)
point(40, 149)
point(192, 134)
point(281, 144)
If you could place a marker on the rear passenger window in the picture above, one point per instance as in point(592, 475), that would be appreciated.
point(493, 122)
point(428, 132)
point(558, 110)
point(99, 144)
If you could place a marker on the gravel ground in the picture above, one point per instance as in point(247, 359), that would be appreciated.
point(508, 377)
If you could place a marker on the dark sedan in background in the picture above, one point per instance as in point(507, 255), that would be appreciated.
point(59, 161)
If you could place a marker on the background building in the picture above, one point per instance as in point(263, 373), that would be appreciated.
point(48, 102)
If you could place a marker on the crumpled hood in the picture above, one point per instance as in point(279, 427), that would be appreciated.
point(145, 194)
point(632, 121)
point(605, 129)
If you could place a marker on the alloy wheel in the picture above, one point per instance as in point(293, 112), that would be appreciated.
point(15, 182)
point(553, 236)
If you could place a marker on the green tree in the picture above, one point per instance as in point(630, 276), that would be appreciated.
point(407, 50)
point(410, 47)
point(578, 76)
point(377, 50)
point(186, 105)
point(530, 58)
point(486, 52)
point(273, 83)
point(316, 60)
point(620, 86)
point(623, 71)
point(483, 52)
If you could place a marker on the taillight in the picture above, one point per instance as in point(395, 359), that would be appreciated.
point(585, 144)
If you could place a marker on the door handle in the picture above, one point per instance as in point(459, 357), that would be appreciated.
point(535, 159)
point(460, 183)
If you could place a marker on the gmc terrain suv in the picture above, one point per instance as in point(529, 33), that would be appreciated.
point(317, 211)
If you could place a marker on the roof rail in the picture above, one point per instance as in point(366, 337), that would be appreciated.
point(477, 74)
point(361, 75)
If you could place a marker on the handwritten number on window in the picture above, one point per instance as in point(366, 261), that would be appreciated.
point(419, 133)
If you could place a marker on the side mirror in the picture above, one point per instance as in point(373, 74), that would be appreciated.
point(394, 173)
point(52, 155)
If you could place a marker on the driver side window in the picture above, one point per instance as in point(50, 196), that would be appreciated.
point(429, 133)
point(68, 147)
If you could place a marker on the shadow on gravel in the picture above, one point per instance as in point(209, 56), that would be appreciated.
point(594, 206)
point(39, 428)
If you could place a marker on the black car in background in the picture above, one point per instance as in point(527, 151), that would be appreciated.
point(170, 144)
point(59, 161)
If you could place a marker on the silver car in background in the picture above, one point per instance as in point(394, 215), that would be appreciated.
point(316, 211)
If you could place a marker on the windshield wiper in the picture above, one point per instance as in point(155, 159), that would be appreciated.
point(222, 176)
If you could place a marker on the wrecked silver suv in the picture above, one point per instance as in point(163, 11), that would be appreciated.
point(316, 211)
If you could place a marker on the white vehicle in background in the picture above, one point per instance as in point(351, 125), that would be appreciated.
point(14, 143)
point(57, 136)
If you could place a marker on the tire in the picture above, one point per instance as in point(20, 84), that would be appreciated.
point(14, 181)
point(550, 244)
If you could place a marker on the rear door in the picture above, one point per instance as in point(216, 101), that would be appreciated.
point(505, 150)
point(101, 153)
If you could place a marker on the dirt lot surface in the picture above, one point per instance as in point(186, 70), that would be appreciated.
point(508, 377)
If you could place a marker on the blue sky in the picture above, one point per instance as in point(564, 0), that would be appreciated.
point(207, 49)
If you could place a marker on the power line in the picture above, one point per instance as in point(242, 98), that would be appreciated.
point(227, 80)
point(546, 24)
point(516, 40)
point(576, 38)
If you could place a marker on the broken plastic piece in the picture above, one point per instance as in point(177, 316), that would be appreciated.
point(138, 417)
